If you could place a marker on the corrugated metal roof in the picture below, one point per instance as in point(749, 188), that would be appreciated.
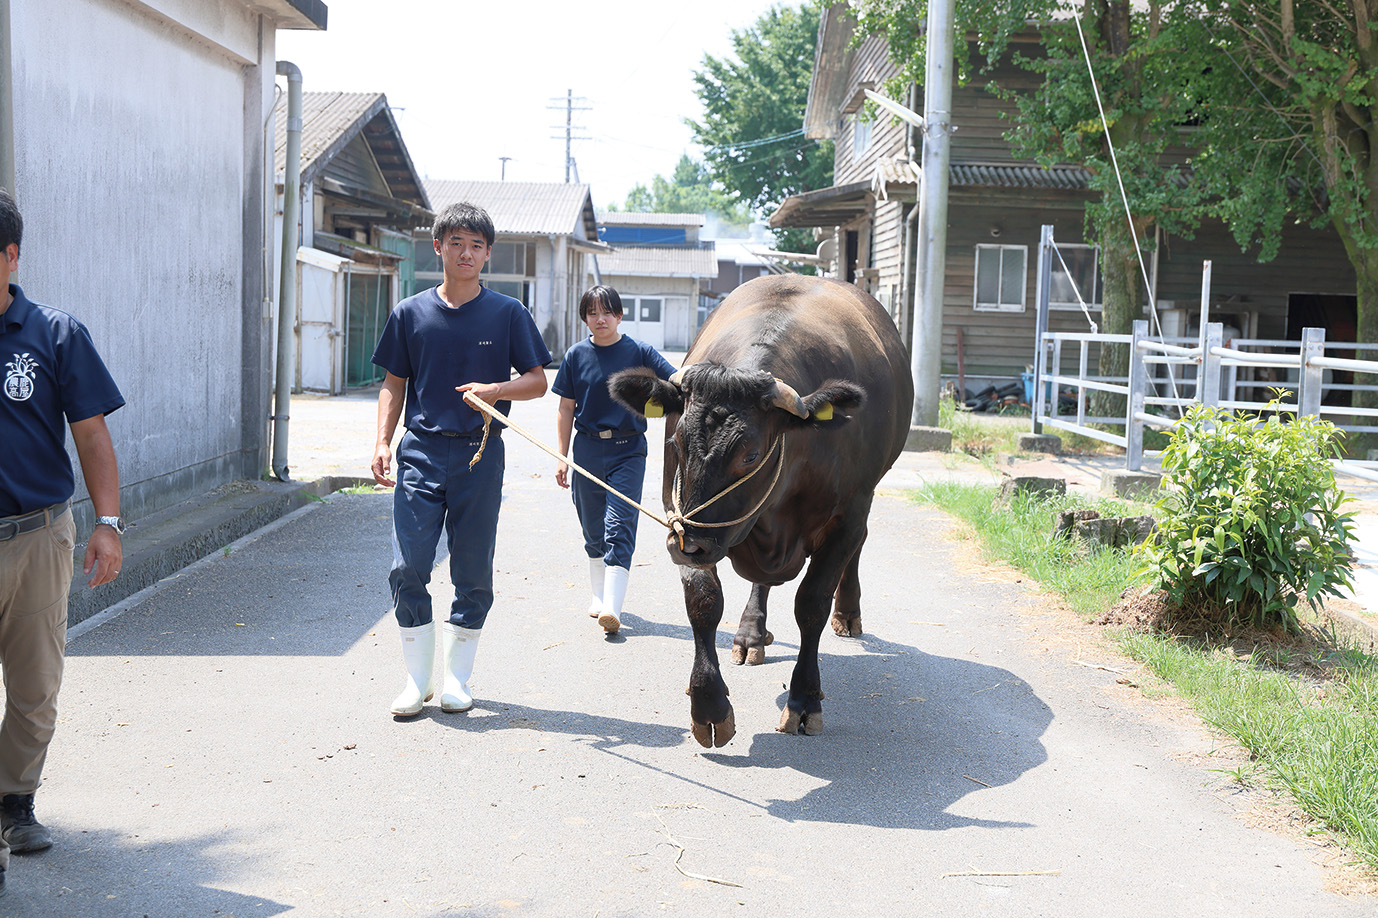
point(660, 261)
point(523, 207)
point(1008, 175)
point(636, 218)
point(325, 118)
point(330, 120)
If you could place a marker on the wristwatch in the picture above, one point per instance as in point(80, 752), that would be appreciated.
point(114, 522)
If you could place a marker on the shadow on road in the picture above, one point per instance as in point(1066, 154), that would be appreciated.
point(114, 873)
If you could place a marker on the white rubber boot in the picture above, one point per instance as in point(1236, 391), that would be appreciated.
point(458, 647)
point(596, 575)
point(418, 653)
point(614, 592)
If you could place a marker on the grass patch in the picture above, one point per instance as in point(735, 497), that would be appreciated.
point(1304, 708)
point(1019, 533)
point(1312, 734)
point(362, 489)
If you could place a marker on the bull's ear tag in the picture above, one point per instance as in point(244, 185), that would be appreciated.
point(654, 409)
point(823, 412)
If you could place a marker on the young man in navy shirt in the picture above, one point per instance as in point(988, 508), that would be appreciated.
point(455, 338)
point(611, 443)
point(51, 372)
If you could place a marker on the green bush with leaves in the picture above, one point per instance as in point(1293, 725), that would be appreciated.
point(1252, 518)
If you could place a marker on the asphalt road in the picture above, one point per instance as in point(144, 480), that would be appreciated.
point(225, 748)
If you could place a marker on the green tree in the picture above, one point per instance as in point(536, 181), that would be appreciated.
point(1143, 76)
point(753, 109)
point(690, 190)
point(1289, 128)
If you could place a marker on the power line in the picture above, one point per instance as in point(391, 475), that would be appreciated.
point(570, 108)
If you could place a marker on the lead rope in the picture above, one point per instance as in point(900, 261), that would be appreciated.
point(677, 519)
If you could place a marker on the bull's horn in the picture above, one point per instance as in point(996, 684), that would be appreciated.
point(677, 377)
point(788, 399)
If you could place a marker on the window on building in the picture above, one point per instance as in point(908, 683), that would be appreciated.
point(861, 133)
point(648, 308)
point(1001, 277)
point(1081, 275)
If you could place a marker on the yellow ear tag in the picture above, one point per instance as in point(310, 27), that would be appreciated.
point(654, 409)
point(823, 412)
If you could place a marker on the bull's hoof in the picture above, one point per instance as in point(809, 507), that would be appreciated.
point(719, 734)
point(751, 656)
point(809, 724)
point(847, 625)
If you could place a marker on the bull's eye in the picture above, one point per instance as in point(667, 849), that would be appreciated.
point(750, 457)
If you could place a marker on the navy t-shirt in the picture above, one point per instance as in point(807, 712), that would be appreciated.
point(583, 376)
point(436, 347)
point(51, 372)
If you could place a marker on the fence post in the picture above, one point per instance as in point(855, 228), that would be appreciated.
point(1045, 274)
point(1138, 382)
point(1310, 379)
point(1208, 389)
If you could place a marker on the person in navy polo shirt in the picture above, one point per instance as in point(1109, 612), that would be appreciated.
point(51, 372)
point(610, 443)
point(455, 338)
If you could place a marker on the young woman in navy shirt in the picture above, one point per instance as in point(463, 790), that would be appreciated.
point(609, 441)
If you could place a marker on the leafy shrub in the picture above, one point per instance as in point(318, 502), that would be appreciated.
point(1252, 518)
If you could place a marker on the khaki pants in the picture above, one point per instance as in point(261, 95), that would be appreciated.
point(35, 575)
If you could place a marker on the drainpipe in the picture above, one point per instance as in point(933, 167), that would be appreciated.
point(6, 103)
point(287, 290)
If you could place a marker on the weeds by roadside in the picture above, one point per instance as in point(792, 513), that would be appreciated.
point(1305, 708)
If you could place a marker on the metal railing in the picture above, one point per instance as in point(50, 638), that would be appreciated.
point(1167, 375)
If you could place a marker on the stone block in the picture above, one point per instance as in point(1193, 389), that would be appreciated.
point(1096, 531)
point(1127, 485)
point(929, 440)
point(1041, 488)
point(1040, 443)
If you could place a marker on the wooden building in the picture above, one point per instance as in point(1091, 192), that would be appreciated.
point(361, 196)
point(866, 224)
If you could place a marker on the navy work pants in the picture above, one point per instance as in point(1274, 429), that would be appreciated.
point(436, 489)
point(609, 523)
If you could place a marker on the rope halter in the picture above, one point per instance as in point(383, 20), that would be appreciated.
point(678, 519)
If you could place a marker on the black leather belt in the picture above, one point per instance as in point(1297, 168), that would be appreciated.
point(470, 437)
point(611, 434)
point(12, 526)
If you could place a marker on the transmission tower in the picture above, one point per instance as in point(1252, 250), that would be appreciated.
point(568, 104)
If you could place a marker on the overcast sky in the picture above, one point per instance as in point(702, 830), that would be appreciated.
point(472, 82)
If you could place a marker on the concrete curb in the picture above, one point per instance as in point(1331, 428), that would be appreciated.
point(165, 542)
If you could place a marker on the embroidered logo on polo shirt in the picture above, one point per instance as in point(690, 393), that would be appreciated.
point(484, 343)
point(20, 377)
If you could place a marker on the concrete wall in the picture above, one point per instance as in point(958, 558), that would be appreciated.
point(139, 167)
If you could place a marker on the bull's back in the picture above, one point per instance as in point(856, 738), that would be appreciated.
point(807, 330)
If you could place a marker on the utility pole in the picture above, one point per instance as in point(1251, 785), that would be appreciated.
point(504, 166)
point(926, 352)
point(567, 103)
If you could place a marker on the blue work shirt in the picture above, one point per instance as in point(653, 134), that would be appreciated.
point(583, 376)
point(436, 347)
point(51, 372)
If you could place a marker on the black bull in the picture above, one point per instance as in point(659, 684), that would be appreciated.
point(769, 478)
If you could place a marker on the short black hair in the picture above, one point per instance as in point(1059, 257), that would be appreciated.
point(463, 216)
point(11, 224)
point(599, 295)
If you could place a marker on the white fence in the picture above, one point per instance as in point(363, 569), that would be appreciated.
point(1168, 375)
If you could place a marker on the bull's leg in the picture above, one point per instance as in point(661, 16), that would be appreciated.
point(846, 620)
point(749, 646)
point(804, 706)
point(713, 723)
